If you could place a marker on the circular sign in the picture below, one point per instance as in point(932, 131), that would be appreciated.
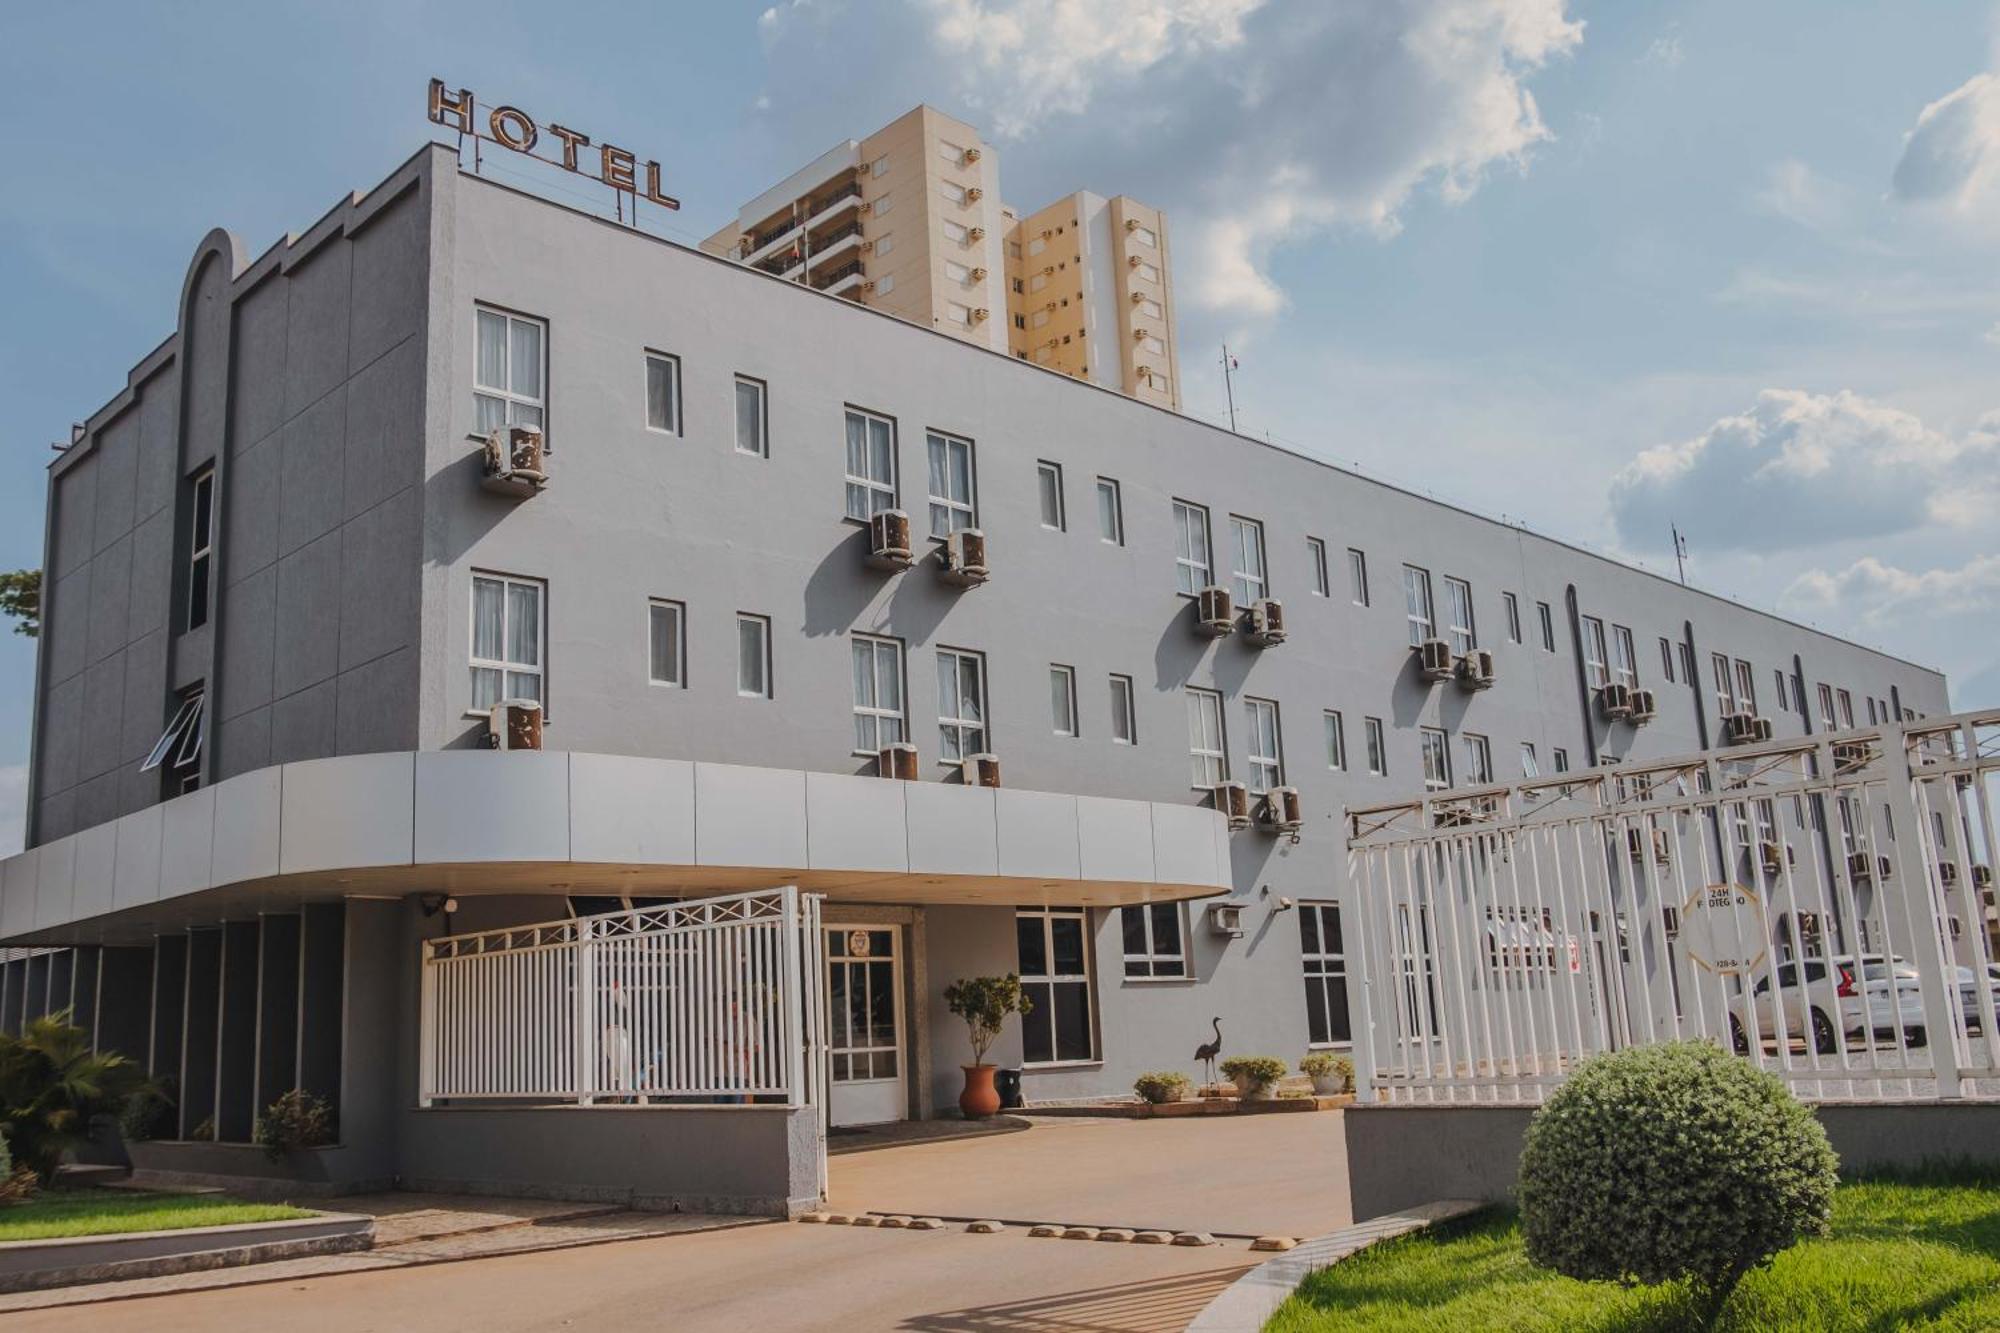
point(857, 943)
point(1722, 929)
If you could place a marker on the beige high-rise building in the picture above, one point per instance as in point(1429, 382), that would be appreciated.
point(909, 221)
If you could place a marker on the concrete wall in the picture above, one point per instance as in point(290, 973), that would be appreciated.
point(1400, 1156)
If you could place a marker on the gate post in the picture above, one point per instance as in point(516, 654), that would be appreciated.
point(586, 1013)
point(1929, 930)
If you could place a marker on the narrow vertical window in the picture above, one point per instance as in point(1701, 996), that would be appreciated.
point(509, 371)
point(1124, 721)
point(1110, 512)
point(1784, 701)
point(752, 428)
point(1246, 542)
point(952, 504)
point(1530, 766)
point(1746, 686)
point(871, 464)
point(1062, 700)
point(1826, 716)
point(1846, 709)
point(1725, 689)
point(1316, 562)
point(1478, 761)
point(1625, 656)
point(1378, 750)
point(1191, 563)
point(1048, 484)
point(1053, 953)
point(1417, 604)
point(1357, 576)
point(1437, 759)
point(1512, 605)
point(666, 643)
point(1336, 741)
point(1325, 959)
point(1667, 661)
point(201, 548)
point(1458, 608)
point(1267, 765)
point(753, 656)
point(1548, 626)
point(961, 679)
point(1596, 669)
point(506, 640)
point(1562, 759)
point(1210, 762)
point(878, 693)
point(663, 393)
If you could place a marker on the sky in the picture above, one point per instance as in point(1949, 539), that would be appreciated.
point(1602, 269)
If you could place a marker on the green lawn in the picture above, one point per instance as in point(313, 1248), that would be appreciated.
point(1902, 1255)
point(98, 1212)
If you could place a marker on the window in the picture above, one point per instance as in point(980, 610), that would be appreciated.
point(1246, 541)
point(1846, 708)
point(1417, 603)
point(663, 393)
point(884, 204)
point(1531, 767)
point(1783, 695)
point(666, 643)
point(1548, 626)
point(1191, 567)
point(1325, 961)
point(507, 375)
point(1512, 605)
point(1048, 483)
point(1054, 955)
point(1124, 721)
point(883, 245)
point(956, 232)
point(1145, 236)
point(753, 656)
point(878, 693)
point(961, 681)
point(1458, 608)
point(885, 284)
point(952, 505)
point(1316, 559)
point(953, 270)
point(1378, 752)
point(1746, 686)
point(1625, 657)
point(1826, 715)
point(1596, 669)
point(201, 547)
point(1267, 768)
point(1062, 700)
point(752, 434)
point(1437, 760)
point(1725, 690)
point(1357, 577)
point(1150, 308)
point(1478, 761)
point(1155, 941)
point(1210, 762)
point(1562, 759)
point(953, 191)
point(1149, 272)
point(1873, 718)
point(506, 640)
point(879, 167)
point(179, 746)
point(871, 464)
point(1666, 661)
point(1336, 740)
point(1110, 512)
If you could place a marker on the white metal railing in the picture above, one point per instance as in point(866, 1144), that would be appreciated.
point(715, 999)
point(1823, 906)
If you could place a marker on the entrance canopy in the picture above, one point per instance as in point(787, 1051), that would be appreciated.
point(480, 821)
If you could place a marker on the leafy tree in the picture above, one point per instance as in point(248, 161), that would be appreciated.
point(21, 598)
point(984, 1003)
point(52, 1086)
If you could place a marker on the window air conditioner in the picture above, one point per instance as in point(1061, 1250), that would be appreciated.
point(1947, 873)
point(1645, 707)
point(1145, 372)
point(1226, 919)
point(1614, 700)
point(1132, 261)
point(1982, 877)
point(976, 234)
point(1858, 867)
point(1433, 659)
point(1131, 224)
point(979, 315)
point(1233, 800)
point(1266, 625)
point(1475, 669)
point(974, 194)
point(980, 770)
point(514, 724)
point(964, 558)
point(1763, 729)
point(977, 275)
point(1215, 611)
point(1282, 811)
point(971, 156)
point(1775, 856)
point(889, 539)
point(1140, 335)
point(1739, 728)
point(897, 761)
point(515, 461)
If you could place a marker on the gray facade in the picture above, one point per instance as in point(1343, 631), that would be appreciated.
point(331, 383)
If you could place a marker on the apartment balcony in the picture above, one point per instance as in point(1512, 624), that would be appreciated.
point(841, 280)
point(842, 200)
point(781, 264)
point(840, 241)
point(763, 244)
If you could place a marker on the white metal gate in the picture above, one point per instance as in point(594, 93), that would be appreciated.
point(1824, 906)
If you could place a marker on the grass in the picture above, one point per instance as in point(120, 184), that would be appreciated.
point(93, 1212)
point(1917, 1252)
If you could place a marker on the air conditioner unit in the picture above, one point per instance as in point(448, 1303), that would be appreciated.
point(1475, 669)
point(868, 286)
point(1850, 757)
point(1433, 659)
point(964, 558)
point(1140, 335)
point(1764, 731)
point(977, 275)
point(974, 194)
point(1947, 873)
point(1145, 372)
point(1131, 224)
point(971, 155)
point(1138, 297)
point(980, 770)
point(1282, 811)
point(1233, 800)
point(978, 315)
point(515, 461)
point(1739, 729)
point(1637, 841)
point(1214, 611)
point(1226, 919)
point(1132, 261)
point(976, 234)
point(1614, 700)
point(897, 761)
point(868, 247)
point(1982, 877)
point(1858, 867)
point(514, 724)
point(1644, 708)
point(1048, 271)
point(1775, 856)
point(1266, 622)
point(889, 539)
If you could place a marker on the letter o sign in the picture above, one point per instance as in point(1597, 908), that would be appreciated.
point(513, 128)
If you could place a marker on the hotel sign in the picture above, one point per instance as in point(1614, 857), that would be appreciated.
point(1722, 929)
point(514, 129)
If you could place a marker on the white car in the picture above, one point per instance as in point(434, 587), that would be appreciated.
point(1886, 993)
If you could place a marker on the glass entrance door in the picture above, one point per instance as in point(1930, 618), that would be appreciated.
point(864, 982)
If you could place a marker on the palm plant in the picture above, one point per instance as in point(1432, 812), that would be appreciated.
point(53, 1086)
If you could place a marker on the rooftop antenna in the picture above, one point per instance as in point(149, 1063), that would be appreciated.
point(1228, 387)
point(1680, 552)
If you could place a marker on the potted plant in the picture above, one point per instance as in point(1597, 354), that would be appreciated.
point(1159, 1089)
point(1255, 1076)
point(984, 1003)
point(1331, 1074)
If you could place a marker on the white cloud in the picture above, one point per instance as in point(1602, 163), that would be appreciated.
point(1794, 191)
point(13, 807)
point(1870, 593)
point(1801, 469)
point(1952, 154)
point(1665, 51)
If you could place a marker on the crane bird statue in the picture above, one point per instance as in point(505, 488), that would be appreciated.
point(1208, 1050)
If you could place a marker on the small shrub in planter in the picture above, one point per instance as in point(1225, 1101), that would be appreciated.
point(1331, 1074)
point(1255, 1076)
point(1670, 1162)
point(296, 1120)
point(203, 1132)
point(984, 1003)
point(1159, 1089)
point(150, 1114)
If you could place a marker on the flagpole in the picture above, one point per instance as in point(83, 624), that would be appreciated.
point(1228, 386)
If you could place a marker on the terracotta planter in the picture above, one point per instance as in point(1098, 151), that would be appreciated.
point(980, 1098)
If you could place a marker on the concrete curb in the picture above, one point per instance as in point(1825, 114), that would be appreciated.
point(1245, 1304)
point(33, 1265)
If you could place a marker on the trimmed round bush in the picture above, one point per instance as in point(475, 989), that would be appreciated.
point(1668, 1162)
point(1160, 1088)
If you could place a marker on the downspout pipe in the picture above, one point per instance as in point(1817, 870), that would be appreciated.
point(1582, 676)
